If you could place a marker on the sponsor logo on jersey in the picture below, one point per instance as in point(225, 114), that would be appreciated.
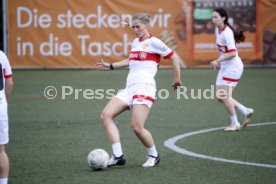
point(133, 55)
point(145, 46)
point(142, 55)
point(164, 48)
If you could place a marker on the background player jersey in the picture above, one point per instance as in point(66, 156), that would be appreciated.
point(144, 58)
point(5, 72)
point(226, 43)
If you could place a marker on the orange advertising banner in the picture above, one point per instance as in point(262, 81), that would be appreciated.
point(79, 33)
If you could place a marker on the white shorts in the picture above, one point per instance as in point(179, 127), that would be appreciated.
point(230, 73)
point(138, 94)
point(4, 126)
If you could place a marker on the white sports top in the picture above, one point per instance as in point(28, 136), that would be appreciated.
point(5, 72)
point(144, 59)
point(226, 43)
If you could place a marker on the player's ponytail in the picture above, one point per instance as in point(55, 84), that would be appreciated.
point(238, 35)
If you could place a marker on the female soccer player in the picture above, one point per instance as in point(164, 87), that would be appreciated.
point(231, 68)
point(139, 93)
point(6, 86)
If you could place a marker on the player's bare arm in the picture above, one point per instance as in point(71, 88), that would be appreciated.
point(110, 66)
point(8, 87)
point(176, 70)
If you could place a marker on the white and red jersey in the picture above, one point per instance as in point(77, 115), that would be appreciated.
point(144, 59)
point(230, 71)
point(226, 43)
point(6, 72)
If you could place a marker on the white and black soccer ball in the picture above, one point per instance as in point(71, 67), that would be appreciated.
point(98, 159)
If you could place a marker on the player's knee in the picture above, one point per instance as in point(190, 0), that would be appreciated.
point(105, 116)
point(221, 98)
point(136, 129)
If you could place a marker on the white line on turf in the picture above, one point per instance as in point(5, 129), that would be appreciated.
point(170, 143)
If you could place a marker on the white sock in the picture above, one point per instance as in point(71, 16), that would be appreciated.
point(116, 149)
point(152, 151)
point(3, 180)
point(234, 119)
point(242, 109)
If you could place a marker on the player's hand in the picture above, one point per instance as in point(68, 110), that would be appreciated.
point(103, 65)
point(176, 84)
point(215, 64)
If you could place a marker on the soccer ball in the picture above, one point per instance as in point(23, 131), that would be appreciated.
point(98, 159)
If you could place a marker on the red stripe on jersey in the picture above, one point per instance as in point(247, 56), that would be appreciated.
point(230, 79)
point(143, 97)
point(169, 55)
point(231, 50)
point(224, 49)
point(6, 76)
point(144, 56)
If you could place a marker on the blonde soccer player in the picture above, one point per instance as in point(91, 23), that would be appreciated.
point(6, 86)
point(230, 68)
point(140, 90)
